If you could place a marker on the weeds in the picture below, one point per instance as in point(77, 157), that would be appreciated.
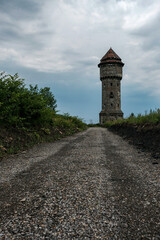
point(153, 117)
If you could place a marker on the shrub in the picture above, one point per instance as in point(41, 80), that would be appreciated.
point(20, 106)
point(153, 117)
point(68, 124)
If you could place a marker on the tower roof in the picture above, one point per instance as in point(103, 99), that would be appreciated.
point(111, 57)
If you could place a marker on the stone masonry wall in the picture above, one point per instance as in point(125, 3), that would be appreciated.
point(111, 75)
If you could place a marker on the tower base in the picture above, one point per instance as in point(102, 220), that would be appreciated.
point(104, 117)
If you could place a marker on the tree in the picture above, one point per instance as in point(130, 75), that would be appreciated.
point(20, 106)
point(48, 97)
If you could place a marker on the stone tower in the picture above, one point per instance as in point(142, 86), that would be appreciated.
point(111, 75)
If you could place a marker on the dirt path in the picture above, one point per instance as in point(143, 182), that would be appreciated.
point(93, 185)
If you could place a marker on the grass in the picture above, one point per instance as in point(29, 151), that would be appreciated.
point(153, 117)
point(14, 140)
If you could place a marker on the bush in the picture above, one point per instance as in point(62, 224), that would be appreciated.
point(153, 117)
point(68, 124)
point(20, 106)
point(28, 116)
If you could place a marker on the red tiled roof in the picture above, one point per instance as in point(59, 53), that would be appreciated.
point(111, 56)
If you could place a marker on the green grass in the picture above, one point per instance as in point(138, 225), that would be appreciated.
point(153, 117)
point(13, 140)
point(67, 125)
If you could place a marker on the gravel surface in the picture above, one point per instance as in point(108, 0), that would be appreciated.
point(93, 185)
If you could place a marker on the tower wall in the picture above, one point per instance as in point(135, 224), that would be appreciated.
point(111, 75)
point(110, 69)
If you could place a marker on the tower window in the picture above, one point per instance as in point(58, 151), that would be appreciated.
point(117, 84)
point(118, 105)
point(111, 104)
point(111, 84)
point(111, 95)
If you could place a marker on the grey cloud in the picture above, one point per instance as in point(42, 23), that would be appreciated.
point(79, 61)
point(71, 53)
point(17, 13)
point(87, 62)
point(11, 37)
point(12, 34)
point(151, 68)
point(20, 8)
point(150, 34)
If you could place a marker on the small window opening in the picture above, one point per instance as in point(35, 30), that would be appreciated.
point(111, 104)
point(111, 95)
point(118, 105)
point(111, 84)
point(117, 84)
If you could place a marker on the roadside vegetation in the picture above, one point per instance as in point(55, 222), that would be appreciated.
point(94, 125)
point(29, 116)
point(152, 118)
point(141, 130)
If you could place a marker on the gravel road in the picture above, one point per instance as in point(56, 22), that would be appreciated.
point(93, 185)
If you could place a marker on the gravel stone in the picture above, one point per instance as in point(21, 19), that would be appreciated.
point(93, 185)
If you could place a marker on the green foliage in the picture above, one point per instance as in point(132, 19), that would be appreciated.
point(68, 124)
point(153, 117)
point(28, 116)
point(20, 106)
point(110, 123)
point(48, 97)
point(46, 131)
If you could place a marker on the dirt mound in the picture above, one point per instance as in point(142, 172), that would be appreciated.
point(146, 136)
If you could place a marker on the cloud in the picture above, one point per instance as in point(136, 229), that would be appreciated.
point(64, 26)
point(18, 9)
point(71, 36)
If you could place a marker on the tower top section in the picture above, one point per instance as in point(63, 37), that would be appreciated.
point(110, 57)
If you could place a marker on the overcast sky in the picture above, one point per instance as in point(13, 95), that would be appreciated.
point(58, 43)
